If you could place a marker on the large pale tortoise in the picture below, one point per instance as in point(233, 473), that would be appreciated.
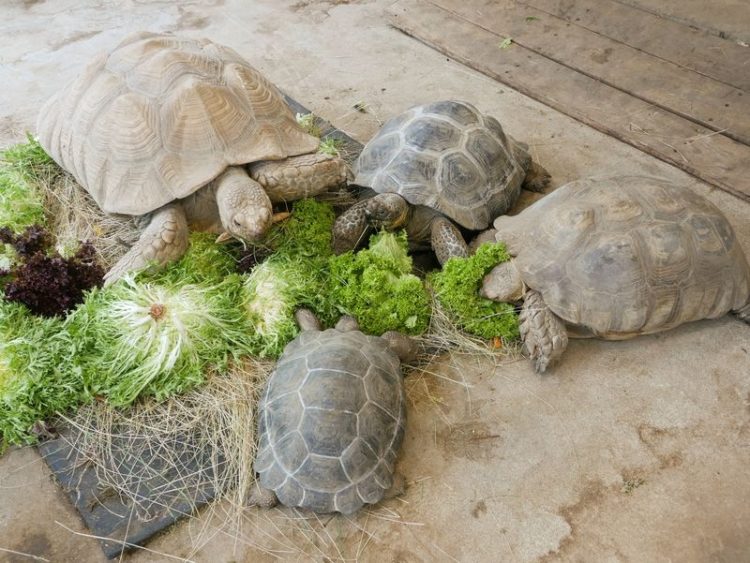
point(615, 258)
point(163, 125)
point(433, 165)
point(331, 419)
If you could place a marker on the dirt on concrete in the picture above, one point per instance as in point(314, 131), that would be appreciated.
point(627, 451)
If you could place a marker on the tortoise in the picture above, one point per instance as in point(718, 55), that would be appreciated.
point(434, 164)
point(331, 419)
point(161, 127)
point(615, 258)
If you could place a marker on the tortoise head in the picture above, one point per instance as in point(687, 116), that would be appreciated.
point(389, 211)
point(347, 323)
point(244, 208)
point(401, 345)
point(503, 283)
point(307, 320)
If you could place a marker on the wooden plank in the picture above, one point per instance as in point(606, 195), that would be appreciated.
point(683, 45)
point(712, 157)
point(711, 103)
point(728, 19)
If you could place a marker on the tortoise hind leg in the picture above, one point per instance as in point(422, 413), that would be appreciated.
point(264, 498)
point(447, 241)
point(743, 313)
point(397, 489)
point(542, 332)
point(382, 211)
point(537, 178)
point(165, 240)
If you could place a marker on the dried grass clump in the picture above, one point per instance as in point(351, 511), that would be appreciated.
point(444, 336)
point(73, 215)
point(161, 455)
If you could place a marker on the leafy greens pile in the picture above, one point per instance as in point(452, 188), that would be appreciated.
point(376, 286)
point(65, 341)
point(150, 335)
point(20, 165)
point(457, 285)
point(294, 276)
point(40, 278)
point(38, 374)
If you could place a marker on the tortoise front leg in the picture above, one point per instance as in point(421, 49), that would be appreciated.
point(350, 228)
point(543, 333)
point(383, 211)
point(537, 178)
point(298, 177)
point(447, 241)
point(165, 240)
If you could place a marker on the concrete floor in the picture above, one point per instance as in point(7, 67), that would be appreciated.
point(628, 451)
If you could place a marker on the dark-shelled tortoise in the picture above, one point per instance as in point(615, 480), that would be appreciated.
point(331, 419)
point(163, 125)
point(615, 258)
point(432, 165)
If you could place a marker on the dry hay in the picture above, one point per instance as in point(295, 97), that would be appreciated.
point(74, 216)
point(443, 336)
point(159, 455)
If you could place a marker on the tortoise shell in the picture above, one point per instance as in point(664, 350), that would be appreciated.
point(447, 156)
point(161, 116)
point(331, 422)
point(628, 255)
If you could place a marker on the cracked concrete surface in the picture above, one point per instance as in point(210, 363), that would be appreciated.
point(627, 451)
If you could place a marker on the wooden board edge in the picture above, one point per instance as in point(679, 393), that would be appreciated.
point(394, 15)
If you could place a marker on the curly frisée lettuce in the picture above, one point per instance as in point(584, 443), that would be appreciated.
point(204, 261)
point(156, 339)
point(294, 276)
point(21, 203)
point(272, 296)
point(376, 286)
point(38, 375)
point(308, 232)
point(457, 289)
